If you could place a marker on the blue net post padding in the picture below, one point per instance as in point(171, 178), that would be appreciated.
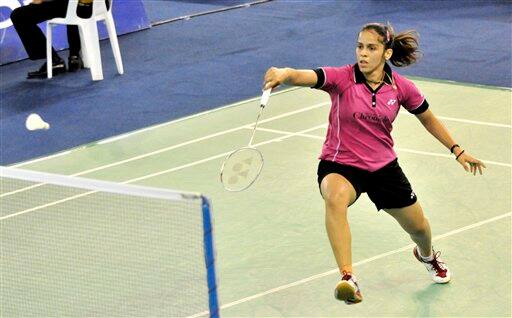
point(209, 257)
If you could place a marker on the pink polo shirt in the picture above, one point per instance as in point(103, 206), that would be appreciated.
point(360, 120)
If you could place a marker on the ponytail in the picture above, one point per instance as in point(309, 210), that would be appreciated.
point(405, 45)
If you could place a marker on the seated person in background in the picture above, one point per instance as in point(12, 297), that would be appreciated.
point(25, 20)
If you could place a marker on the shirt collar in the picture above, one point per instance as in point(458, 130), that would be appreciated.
point(359, 77)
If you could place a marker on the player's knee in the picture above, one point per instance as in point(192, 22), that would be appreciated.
point(419, 228)
point(337, 197)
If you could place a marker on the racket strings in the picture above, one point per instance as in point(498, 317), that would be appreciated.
point(241, 169)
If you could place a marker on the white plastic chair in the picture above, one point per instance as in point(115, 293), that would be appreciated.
point(89, 38)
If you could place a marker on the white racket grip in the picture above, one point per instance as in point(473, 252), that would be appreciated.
point(265, 96)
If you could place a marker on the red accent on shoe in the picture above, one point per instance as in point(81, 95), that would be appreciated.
point(435, 265)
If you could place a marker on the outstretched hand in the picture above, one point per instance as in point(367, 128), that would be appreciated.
point(469, 163)
point(274, 77)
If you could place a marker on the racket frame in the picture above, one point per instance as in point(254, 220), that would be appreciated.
point(224, 182)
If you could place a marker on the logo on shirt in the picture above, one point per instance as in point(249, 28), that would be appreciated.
point(391, 102)
point(376, 118)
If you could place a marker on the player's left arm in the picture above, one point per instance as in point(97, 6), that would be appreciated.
point(438, 130)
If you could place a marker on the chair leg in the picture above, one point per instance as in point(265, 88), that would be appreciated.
point(92, 46)
point(111, 28)
point(49, 57)
point(83, 50)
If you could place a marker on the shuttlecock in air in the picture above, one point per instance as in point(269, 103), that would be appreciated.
point(35, 122)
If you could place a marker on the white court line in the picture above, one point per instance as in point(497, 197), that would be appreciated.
point(59, 154)
point(450, 156)
point(286, 135)
point(428, 153)
point(466, 121)
point(154, 174)
point(368, 260)
point(186, 143)
point(122, 136)
point(235, 129)
point(81, 173)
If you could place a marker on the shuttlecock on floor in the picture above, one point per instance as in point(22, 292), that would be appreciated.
point(35, 122)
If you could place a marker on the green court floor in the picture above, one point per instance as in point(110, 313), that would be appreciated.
point(273, 256)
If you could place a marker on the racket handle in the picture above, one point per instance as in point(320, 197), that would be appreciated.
point(264, 97)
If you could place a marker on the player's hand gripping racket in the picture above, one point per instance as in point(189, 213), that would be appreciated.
point(243, 166)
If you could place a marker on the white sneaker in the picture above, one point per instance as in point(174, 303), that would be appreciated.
point(347, 290)
point(436, 267)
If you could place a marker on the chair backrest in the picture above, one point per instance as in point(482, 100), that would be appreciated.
point(99, 7)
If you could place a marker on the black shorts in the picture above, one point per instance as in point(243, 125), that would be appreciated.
point(388, 187)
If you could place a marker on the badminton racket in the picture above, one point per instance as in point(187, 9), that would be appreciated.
point(243, 166)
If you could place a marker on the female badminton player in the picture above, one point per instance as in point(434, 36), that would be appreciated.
point(358, 156)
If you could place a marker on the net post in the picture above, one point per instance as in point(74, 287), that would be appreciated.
point(209, 255)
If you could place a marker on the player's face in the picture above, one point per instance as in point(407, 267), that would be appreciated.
point(369, 51)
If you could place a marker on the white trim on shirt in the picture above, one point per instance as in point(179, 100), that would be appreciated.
point(339, 127)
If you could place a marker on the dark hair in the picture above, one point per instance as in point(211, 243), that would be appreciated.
point(404, 44)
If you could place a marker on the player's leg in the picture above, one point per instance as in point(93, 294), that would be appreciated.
point(391, 191)
point(413, 221)
point(338, 193)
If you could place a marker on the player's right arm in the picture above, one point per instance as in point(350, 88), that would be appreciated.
point(289, 76)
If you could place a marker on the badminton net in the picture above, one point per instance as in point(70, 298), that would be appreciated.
point(80, 247)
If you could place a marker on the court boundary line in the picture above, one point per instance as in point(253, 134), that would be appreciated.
point(190, 164)
point(465, 84)
point(429, 153)
point(219, 133)
point(466, 121)
point(276, 92)
point(185, 143)
point(367, 260)
point(135, 132)
point(249, 126)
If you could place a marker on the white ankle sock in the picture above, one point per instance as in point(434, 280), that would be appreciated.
point(426, 259)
